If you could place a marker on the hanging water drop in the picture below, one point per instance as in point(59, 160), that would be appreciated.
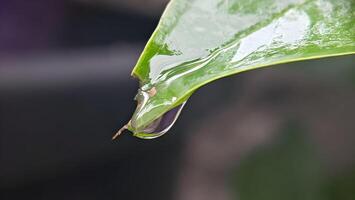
point(157, 128)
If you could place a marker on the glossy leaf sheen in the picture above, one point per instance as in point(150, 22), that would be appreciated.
point(198, 41)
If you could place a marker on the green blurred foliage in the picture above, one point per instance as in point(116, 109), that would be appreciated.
point(289, 169)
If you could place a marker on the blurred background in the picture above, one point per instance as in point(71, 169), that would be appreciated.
point(285, 132)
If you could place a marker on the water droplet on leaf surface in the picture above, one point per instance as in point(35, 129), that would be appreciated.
point(157, 128)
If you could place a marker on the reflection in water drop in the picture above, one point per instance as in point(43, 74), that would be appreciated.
point(155, 129)
point(161, 125)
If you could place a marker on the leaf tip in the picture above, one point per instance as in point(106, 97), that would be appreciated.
point(120, 131)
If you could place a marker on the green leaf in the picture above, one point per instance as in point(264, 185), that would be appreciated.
point(199, 41)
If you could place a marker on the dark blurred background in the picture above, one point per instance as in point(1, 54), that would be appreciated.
point(285, 132)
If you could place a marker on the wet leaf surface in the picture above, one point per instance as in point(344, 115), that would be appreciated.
point(199, 41)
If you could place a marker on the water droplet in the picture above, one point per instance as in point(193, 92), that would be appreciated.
point(161, 125)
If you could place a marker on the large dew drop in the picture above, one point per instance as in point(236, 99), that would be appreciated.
point(161, 125)
point(158, 127)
